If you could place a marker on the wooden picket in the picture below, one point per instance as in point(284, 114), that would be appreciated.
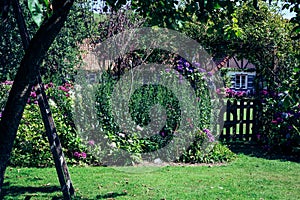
point(239, 120)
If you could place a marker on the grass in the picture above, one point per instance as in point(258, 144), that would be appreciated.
point(246, 178)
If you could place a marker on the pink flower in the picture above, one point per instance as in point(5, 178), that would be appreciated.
point(33, 94)
point(91, 142)
point(67, 85)
point(63, 88)
point(83, 155)
point(264, 92)
point(8, 82)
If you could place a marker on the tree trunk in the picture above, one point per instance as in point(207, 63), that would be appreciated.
point(25, 79)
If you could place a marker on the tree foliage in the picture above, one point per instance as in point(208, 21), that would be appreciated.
point(63, 55)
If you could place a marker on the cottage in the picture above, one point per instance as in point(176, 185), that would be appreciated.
point(238, 74)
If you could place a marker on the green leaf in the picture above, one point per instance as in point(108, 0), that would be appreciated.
point(234, 20)
point(36, 10)
point(48, 6)
point(217, 6)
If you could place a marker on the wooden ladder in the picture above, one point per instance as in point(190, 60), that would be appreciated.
point(55, 145)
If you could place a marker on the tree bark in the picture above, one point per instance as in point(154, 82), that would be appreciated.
point(25, 79)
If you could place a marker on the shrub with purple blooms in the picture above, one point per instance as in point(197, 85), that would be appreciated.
point(140, 105)
point(281, 117)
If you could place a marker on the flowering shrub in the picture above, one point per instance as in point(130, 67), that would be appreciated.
point(31, 147)
point(197, 154)
point(141, 102)
point(230, 93)
point(281, 117)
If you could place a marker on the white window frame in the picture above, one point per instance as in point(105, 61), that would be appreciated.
point(240, 81)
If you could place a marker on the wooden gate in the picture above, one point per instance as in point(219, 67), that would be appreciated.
point(239, 120)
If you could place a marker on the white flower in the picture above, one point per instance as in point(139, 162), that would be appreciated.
point(113, 145)
point(52, 103)
point(130, 141)
point(139, 128)
point(121, 135)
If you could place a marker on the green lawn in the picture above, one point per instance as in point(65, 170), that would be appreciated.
point(245, 178)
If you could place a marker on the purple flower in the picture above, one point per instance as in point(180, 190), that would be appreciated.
point(290, 127)
point(279, 119)
point(209, 73)
point(186, 63)
point(180, 67)
point(201, 70)
point(196, 64)
point(258, 136)
point(206, 131)
point(191, 70)
point(210, 136)
point(168, 70)
point(180, 78)
point(0, 114)
point(76, 154)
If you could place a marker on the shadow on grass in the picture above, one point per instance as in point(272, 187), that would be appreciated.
point(111, 195)
point(14, 191)
point(17, 191)
point(255, 150)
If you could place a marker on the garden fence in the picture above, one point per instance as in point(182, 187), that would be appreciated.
point(239, 120)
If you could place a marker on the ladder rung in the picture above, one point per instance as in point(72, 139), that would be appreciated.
point(61, 160)
point(68, 183)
